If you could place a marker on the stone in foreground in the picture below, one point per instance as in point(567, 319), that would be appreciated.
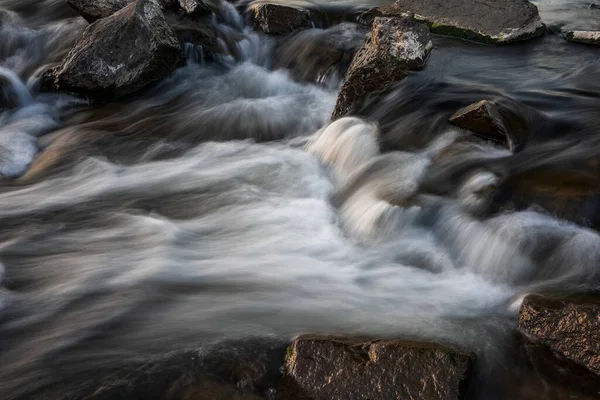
point(396, 45)
point(487, 21)
point(569, 327)
point(93, 10)
point(491, 121)
point(276, 19)
point(119, 55)
point(330, 368)
point(587, 37)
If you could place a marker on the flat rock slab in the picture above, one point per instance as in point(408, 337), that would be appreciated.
point(396, 46)
point(331, 368)
point(587, 37)
point(491, 121)
point(277, 19)
point(486, 21)
point(567, 326)
point(119, 55)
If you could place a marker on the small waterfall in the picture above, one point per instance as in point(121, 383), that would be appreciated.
point(13, 92)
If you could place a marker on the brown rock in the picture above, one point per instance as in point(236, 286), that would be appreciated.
point(330, 368)
point(119, 55)
point(396, 46)
point(569, 327)
point(492, 121)
point(278, 19)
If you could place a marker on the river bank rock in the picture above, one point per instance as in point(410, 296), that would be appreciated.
point(492, 121)
point(198, 6)
point(278, 19)
point(569, 327)
point(93, 10)
point(488, 21)
point(587, 37)
point(396, 46)
point(119, 55)
point(333, 368)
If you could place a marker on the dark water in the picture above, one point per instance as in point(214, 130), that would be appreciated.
point(219, 206)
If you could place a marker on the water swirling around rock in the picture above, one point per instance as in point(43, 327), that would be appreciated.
point(220, 204)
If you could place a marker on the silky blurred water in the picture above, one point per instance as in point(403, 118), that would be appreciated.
point(221, 204)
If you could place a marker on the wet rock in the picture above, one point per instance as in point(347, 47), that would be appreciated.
point(119, 55)
point(315, 54)
point(198, 6)
point(93, 10)
point(492, 121)
point(278, 19)
point(487, 21)
point(330, 368)
point(195, 29)
point(396, 46)
point(587, 37)
point(569, 327)
point(594, 6)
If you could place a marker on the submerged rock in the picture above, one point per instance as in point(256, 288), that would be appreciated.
point(491, 121)
point(119, 55)
point(93, 10)
point(330, 368)
point(569, 327)
point(278, 19)
point(487, 21)
point(396, 46)
point(587, 37)
point(315, 54)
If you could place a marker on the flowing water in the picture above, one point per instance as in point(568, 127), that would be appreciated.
point(221, 205)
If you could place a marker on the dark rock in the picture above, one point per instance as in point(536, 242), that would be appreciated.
point(492, 121)
point(278, 19)
point(198, 6)
point(316, 54)
point(330, 368)
point(587, 37)
point(119, 55)
point(396, 46)
point(487, 21)
point(195, 29)
point(93, 10)
point(569, 327)
point(594, 6)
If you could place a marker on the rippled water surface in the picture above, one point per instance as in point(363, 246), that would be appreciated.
point(220, 204)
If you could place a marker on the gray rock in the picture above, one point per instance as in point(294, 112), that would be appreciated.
point(119, 55)
point(587, 37)
point(396, 45)
point(330, 368)
point(198, 6)
point(492, 121)
point(277, 19)
point(93, 10)
point(487, 21)
point(569, 327)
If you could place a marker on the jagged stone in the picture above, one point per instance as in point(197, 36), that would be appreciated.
point(333, 368)
point(198, 6)
point(119, 55)
point(93, 10)
point(396, 45)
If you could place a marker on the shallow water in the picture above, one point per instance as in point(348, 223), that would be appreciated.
point(219, 204)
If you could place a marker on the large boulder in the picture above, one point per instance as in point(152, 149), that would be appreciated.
point(331, 368)
point(93, 10)
point(278, 19)
point(487, 21)
point(587, 37)
point(492, 121)
point(569, 327)
point(396, 45)
point(119, 55)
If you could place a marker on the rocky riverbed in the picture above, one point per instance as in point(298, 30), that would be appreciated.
point(202, 199)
